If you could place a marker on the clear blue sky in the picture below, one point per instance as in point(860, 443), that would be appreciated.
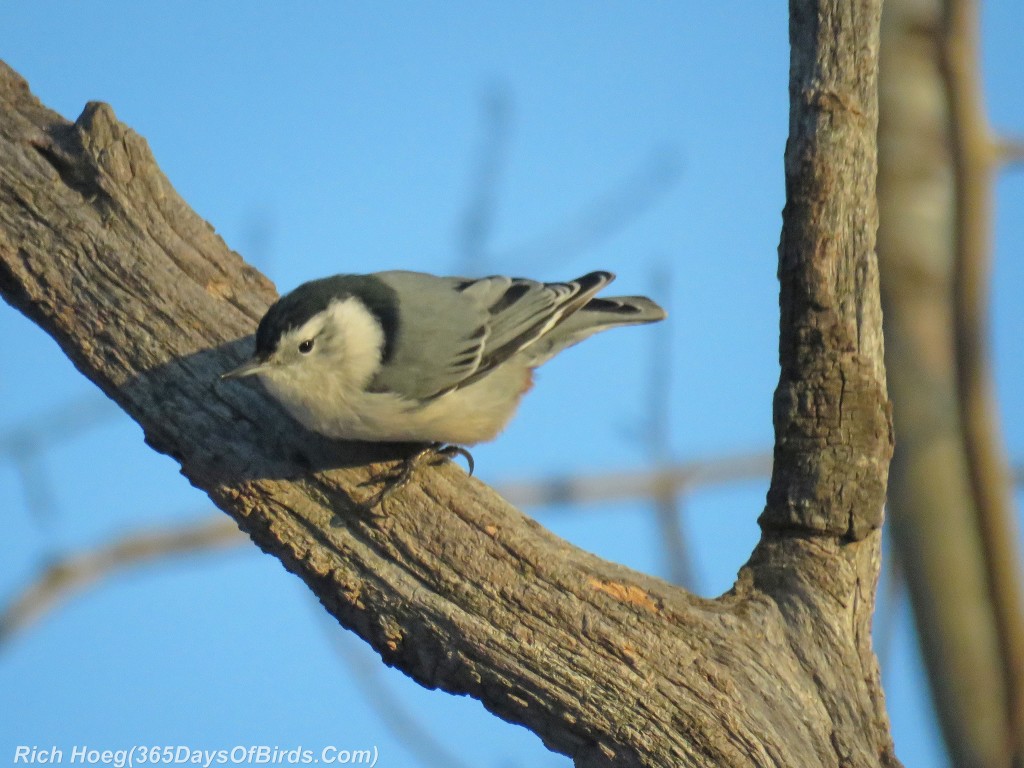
point(328, 137)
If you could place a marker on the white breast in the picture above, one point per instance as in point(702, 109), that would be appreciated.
point(331, 398)
point(466, 416)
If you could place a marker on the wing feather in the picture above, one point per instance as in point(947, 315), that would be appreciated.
point(454, 331)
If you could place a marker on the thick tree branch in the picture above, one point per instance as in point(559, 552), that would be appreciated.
point(63, 578)
point(831, 404)
point(833, 429)
point(448, 582)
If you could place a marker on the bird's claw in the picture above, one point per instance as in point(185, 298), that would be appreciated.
point(433, 454)
point(449, 452)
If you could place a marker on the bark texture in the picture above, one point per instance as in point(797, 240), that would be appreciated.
point(448, 582)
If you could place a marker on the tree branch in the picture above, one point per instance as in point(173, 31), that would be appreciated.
point(449, 583)
point(931, 221)
point(604, 487)
point(1009, 150)
point(974, 155)
point(833, 430)
point(59, 580)
point(62, 579)
point(389, 707)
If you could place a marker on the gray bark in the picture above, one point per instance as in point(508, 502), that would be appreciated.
point(448, 582)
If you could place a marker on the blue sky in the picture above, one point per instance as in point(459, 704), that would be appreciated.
point(329, 137)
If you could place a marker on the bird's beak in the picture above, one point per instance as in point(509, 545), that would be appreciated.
point(248, 368)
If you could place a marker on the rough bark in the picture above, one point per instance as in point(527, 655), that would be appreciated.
point(448, 582)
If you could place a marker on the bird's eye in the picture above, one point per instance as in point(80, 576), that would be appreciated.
point(306, 347)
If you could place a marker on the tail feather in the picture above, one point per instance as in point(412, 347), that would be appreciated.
point(596, 315)
point(619, 310)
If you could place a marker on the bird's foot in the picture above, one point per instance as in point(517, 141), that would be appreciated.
point(433, 454)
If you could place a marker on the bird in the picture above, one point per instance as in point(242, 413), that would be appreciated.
point(411, 357)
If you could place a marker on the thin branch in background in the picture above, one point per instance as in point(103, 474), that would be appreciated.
point(39, 496)
point(1009, 151)
point(24, 444)
point(63, 579)
point(974, 156)
point(258, 238)
point(66, 577)
point(606, 487)
point(389, 707)
point(668, 510)
point(604, 217)
point(595, 223)
point(477, 223)
point(658, 438)
point(57, 426)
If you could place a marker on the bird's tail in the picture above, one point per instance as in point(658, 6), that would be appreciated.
point(596, 315)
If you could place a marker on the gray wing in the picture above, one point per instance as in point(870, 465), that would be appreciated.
point(453, 331)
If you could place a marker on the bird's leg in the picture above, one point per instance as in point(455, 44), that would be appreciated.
point(435, 453)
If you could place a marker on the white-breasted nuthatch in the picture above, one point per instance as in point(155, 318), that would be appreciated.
point(411, 357)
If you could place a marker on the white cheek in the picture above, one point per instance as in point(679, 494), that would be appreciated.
point(324, 389)
point(355, 343)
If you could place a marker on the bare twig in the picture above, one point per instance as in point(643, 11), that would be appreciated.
point(62, 579)
point(56, 426)
point(478, 219)
point(39, 496)
point(389, 708)
point(258, 237)
point(1009, 151)
point(642, 484)
point(595, 223)
point(678, 560)
point(667, 505)
point(24, 443)
point(603, 217)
